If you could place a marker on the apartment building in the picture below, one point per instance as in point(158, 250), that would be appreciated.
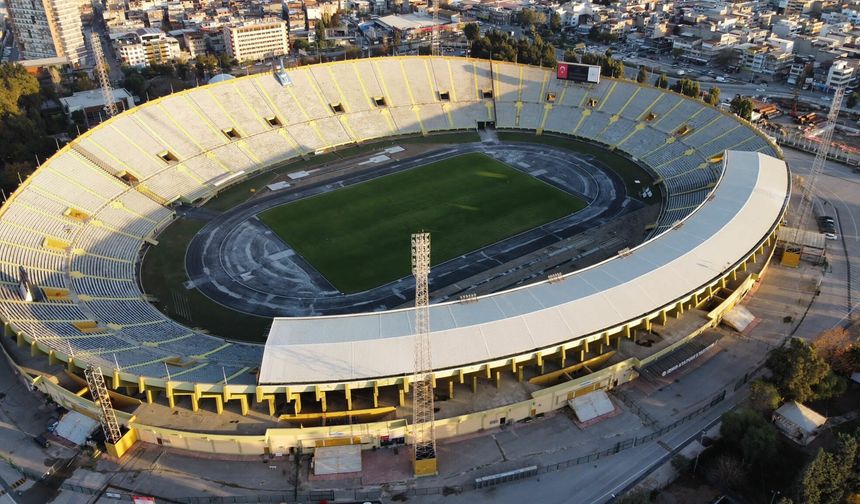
point(257, 40)
point(840, 74)
point(49, 29)
point(146, 46)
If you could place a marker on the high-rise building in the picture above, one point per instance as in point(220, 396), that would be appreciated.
point(265, 39)
point(49, 29)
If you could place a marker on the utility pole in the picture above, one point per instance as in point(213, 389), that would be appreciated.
point(423, 416)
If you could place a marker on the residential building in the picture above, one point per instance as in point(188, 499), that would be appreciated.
point(194, 43)
point(146, 46)
point(798, 7)
point(798, 423)
point(840, 74)
point(295, 15)
point(49, 29)
point(765, 60)
point(257, 40)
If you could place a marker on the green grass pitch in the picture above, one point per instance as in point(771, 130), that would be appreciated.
point(359, 237)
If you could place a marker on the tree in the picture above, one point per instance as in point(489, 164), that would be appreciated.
point(530, 17)
point(836, 346)
point(688, 87)
point(15, 83)
point(300, 44)
point(741, 107)
point(471, 31)
point(713, 96)
point(662, 82)
point(764, 397)
point(226, 62)
point(759, 443)
point(800, 374)
point(207, 63)
point(182, 68)
point(320, 35)
point(82, 82)
point(135, 83)
point(852, 99)
point(747, 432)
point(642, 76)
point(826, 479)
point(12, 173)
point(555, 22)
point(500, 46)
point(612, 67)
point(677, 52)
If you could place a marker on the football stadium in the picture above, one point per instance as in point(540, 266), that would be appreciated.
point(584, 235)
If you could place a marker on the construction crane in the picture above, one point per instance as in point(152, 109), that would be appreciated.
point(423, 416)
point(825, 138)
point(99, 392)
point(102, 71)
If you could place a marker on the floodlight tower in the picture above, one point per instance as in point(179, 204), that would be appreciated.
point(99, 391)
point(434, 31)
point(825, 137)
point(423, 417)
point(102, 71)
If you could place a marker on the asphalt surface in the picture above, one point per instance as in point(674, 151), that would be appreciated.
point(238, 262)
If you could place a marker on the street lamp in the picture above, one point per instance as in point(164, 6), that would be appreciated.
point(773, 494)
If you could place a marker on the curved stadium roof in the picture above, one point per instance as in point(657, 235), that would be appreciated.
point(745, 205)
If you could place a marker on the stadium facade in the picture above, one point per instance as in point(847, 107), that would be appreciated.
point(77, 227)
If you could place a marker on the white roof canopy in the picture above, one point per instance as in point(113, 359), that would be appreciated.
point(744, 207)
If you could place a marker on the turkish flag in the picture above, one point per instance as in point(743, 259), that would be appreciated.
point(562, 71)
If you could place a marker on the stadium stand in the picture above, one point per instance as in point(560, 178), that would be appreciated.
point(78, 224)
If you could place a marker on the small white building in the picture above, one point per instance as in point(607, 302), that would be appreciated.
point(840, 74)
point(797, 422)
point(91, 104)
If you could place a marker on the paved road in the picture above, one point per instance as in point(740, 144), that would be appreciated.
point(840, 189)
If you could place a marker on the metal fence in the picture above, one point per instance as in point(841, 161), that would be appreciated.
point(798, 141)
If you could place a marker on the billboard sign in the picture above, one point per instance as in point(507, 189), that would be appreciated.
point(578, 73)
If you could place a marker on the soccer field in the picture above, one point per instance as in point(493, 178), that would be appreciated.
point(359, 237)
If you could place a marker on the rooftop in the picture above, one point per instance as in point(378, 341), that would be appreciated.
point(93, 98)
point(404, 22)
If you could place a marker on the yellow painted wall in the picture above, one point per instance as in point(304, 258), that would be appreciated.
point(123, 445)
